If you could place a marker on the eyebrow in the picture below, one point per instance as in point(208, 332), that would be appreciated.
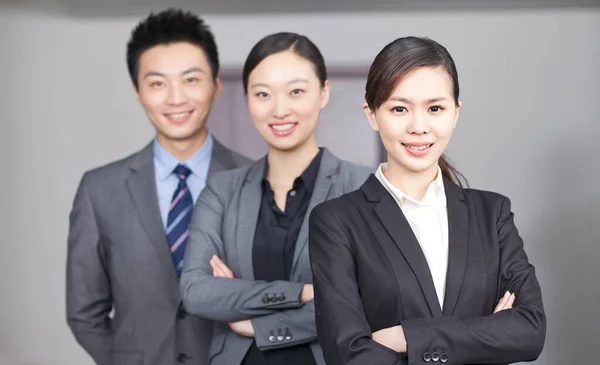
point(408, 101)
point(160, 74)
point(288, 83)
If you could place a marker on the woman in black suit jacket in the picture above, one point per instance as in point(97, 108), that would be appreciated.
point(412, 268)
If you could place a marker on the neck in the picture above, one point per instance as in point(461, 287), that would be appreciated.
point(286, 166)
point(412, 183)
point(183, 149)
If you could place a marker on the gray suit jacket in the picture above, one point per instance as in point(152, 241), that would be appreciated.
point(224, 223)
point(119, 258)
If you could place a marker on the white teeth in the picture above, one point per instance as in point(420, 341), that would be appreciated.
point(180, 115)
point(282, 127)
point(419, 148)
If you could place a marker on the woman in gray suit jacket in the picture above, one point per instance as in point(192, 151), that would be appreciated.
point(246, 263)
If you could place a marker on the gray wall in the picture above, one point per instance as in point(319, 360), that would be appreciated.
point(529, 129)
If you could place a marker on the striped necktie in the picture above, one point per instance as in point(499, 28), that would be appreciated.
point(180, 213)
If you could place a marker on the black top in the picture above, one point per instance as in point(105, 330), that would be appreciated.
point(273, 253)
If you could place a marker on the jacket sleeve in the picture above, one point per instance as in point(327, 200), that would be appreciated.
point(508, 336)
point(88, 291)
point(286, 328)
point(224, 299)
point(342, 327)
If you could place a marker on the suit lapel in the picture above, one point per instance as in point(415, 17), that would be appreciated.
point(458, 223)
point(248, 210)
point(220, 158)
point(323, 184)
point(392, 218)
point(142, 188)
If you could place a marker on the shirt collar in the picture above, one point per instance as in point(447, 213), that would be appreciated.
point(434, 195)
point(165, 163)
point(308, 176)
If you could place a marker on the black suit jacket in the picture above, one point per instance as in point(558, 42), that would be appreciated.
point(369, 274)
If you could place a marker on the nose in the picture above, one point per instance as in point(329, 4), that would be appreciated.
point(177, 94)
point(418, 124)
point(281, 108)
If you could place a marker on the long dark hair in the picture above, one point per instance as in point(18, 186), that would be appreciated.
point(395, 61)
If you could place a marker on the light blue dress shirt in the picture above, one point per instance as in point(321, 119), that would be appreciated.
point(166, 182)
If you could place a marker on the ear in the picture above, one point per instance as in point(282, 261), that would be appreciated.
point(325, 91)
point(457, 113)
point(218, 87)
point(370, 117)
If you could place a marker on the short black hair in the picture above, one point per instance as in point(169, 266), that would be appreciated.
point(285, 41)
point(167, 27)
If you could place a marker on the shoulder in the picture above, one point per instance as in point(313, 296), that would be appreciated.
point(488, 203)
point(112, 174)
point(355, 173)
point(227, 157)
point(350, 175)
point(344, 205)
point(226, 183)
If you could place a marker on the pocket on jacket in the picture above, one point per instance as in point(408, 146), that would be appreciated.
point(217, 344)
point(127, 358)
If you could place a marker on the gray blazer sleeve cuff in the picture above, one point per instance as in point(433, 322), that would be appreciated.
point(284, 295)
point(285, 328)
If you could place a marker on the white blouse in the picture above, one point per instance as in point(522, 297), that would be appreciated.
point(428, 219)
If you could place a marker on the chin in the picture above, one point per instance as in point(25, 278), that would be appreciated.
point(287, 147)
point(412, 167)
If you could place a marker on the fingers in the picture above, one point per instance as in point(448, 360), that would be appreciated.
point(217, 272)
point(510, 301)
point(228, 273)
point(500, 305)
point(506, 302)
point(307, 293)
point(219, 268)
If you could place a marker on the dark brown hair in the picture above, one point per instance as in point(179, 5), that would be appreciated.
point(285, 41)
point(394, 62)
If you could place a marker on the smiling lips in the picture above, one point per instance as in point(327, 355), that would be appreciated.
point(180, 117)
point(417, 149)
point(283, 129)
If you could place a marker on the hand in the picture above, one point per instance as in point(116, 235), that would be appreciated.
point(392, 338)
point(220, 270)
point(307, 294)
point(243, 328)
point(505, 302)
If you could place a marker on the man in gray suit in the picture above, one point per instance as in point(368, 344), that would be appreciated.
point(128, 227)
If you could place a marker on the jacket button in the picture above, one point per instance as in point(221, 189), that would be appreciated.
point(443, 357)
point(265, 299)
point(279, 335)
point(435, 357)
point(182, 358)
point(427, 357)
point(288, 334)
point(272, 337)
point(281, 297)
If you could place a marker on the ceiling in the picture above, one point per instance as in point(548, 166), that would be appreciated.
point(140, 7)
